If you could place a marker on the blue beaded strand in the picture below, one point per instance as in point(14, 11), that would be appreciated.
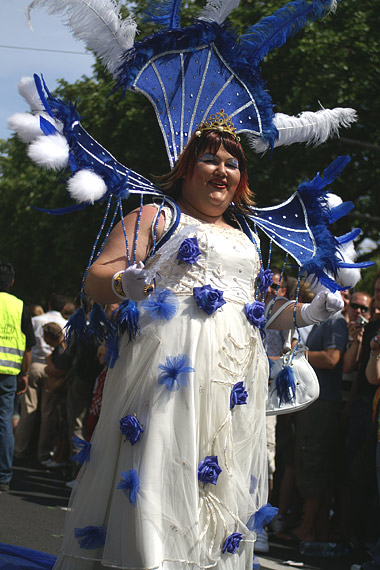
point(260, 258)
point(294, 312)
point(94, 247)
point(269, 253)
point(137, 228)
point(124, 232)
point(108, 231)
point(278, 286)
point(155, 228)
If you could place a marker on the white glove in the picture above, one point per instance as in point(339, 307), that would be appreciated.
point(323, 306)
point(134, 279)
point(135, 284)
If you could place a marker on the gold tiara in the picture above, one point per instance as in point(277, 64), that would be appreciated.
point(218, 122)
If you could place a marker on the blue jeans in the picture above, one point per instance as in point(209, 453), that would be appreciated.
point(8, 388)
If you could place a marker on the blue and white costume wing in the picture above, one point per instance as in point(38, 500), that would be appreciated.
point(300, 227)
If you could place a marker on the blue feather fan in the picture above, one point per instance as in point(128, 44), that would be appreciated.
point(163, 12)
point(273, 31)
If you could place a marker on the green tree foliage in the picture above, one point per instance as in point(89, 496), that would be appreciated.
point(334, 62)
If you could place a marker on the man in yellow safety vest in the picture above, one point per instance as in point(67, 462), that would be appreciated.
point(16, 341)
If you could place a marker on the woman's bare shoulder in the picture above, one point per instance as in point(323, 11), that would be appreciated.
point(146, 214)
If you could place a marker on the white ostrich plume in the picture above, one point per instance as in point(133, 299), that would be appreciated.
point(86, 186)
point(308, 127)
point(97, 23)
point(218, 10)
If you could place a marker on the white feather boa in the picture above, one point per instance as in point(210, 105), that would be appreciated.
point(97, 23)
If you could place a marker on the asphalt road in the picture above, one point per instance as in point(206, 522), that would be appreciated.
point(32, 515)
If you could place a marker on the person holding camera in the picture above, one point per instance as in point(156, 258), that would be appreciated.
point(358, 315)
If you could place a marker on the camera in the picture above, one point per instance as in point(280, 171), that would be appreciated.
point(361, 321)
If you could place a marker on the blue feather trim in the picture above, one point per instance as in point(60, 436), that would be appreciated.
point(46, 127)
point(272, 32)
point(359, 265)
point(100, 325)
point(350, 236)
point(76, 327)
point(163, 12)
point(61, 211)
point(340, 211)
point(41, 94)
point(313, 195)
point(127, 318)
point(285, 385)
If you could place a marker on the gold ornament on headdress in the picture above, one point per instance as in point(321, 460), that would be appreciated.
point(218, 122)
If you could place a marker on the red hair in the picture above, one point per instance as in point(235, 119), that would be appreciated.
point(171, 183)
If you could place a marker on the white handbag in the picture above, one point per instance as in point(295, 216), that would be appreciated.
point(303, 387)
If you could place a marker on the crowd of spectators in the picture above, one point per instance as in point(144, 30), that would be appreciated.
point(63, 381)
point(326, 481)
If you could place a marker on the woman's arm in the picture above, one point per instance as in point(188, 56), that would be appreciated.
point(372, 370)
point(113, 257)
point(322, 307)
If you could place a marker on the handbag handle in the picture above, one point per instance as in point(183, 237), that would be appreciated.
point(287, 344)
point(278, 312)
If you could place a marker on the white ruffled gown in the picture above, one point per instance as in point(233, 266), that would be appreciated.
point(179, 522)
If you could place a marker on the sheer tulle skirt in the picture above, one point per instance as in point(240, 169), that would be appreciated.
point(177, 522)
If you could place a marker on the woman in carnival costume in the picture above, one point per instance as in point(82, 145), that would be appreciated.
point(176, 473)
point(178, 460)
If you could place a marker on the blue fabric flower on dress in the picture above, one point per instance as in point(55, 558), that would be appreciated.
point(208, 299)
point(91, 537)
point(174, 372)
point(189, 251)
point(262, 517)
point(265, 280)
point(131, 428)
point(130, 485)
point(255, 313)
point(127, 318)
point(209, 470)
point(84, 447)
point(163, 304)
point(232, 543)
point(238, 395)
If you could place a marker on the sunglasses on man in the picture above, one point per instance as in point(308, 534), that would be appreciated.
point(361, 308)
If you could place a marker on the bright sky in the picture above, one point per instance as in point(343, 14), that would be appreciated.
point(49, 34)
